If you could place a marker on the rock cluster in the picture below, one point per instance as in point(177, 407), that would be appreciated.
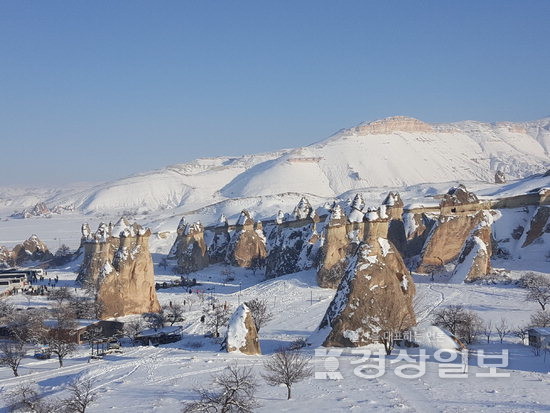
point(118, 266)
point(247, 247)
point(293, 244)
point(32, 249)
point(190, 248)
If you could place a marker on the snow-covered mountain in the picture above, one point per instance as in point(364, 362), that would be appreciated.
point(392, 152)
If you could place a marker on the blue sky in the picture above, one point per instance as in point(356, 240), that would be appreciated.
point(96, 90)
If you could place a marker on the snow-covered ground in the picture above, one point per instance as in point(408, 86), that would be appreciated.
point(160, 378)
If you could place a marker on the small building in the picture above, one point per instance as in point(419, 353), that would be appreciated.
point(102, 329)
point(539, 337)
point(159, 336)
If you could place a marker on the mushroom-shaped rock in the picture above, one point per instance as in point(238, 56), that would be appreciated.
point(373, 300)
point(241, 332)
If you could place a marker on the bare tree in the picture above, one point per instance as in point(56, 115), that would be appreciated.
point(260, 312)
point(173, 312)
point(6, 310)
point(82, 395)
point(133, 328)
point(85, 307)
point(462, 323)
point(11, 354)
point(521, 332)
point(63, 255)
point(91, 288)
point(391, 320)
point(60, 295)
point(287, 367)
point(540, 319)
point(60, 338)
point(155, 320)
point(216, 316)
point(538, 288)
point(27, 326)
point(233, 391)
point(27, 398)
point(502, 329)
point(488, 330)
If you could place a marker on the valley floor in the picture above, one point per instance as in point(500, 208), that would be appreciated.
point(161, 378)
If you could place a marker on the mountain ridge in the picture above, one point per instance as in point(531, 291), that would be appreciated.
point(395, 151)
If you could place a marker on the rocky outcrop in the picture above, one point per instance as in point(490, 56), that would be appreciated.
point(458, 199)
point(242, 335)
point(32, 249)
point(39, 210)
point(373, 299)
point(540, 224)
point(474, 261)
point(460, 213)
point(396, 231)
point(189, 249)
point(247, 247)
point(334, 250)
point(417, 227)
point(217, 247)
point(117, 264)
point(393, 124)
point(500, 177)
point(293, 244)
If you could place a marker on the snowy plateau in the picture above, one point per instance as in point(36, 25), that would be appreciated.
point(419, 160)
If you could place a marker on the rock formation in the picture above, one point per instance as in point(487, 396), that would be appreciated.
point(217, 248)
point(189, 249)
point(373, 299)
point(474, 261)
point(39, 210)
point(293, 245)
point(334, 250)
point(417, 226)
point(32, 249)
point(540, 224)
point(247, 247)
point(241, 332)
point(117, 264)
point(393, 124)
point(500, 178)
point(461, 212)
point(396, 232)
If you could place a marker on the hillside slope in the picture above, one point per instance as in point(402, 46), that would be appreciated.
point(393, 152)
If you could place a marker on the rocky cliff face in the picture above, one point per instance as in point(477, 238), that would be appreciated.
point(247, 247)
point(417, 228)
point(189, 249)
point(32, 249)
point(217, 247)
point(474, 261)
point(373, 299)
point(293, 244)
point(117, 264)
point(460, 213)
point(393, 124)
point(334, 250)
point(241, 333)
point(539, 225)
point(396, 232)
